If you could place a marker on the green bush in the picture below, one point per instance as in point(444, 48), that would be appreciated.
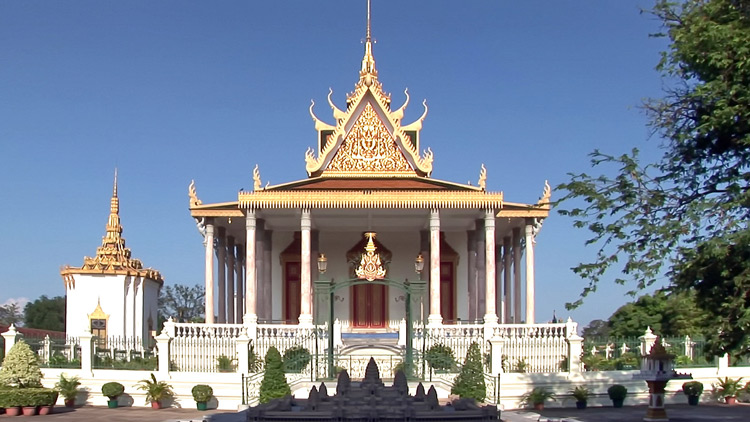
point(537, 396)
point(440, 357)
point(470, 382)
point(21, 367)
point(30, 396)
point(202, 393)
point(225, 363)
point(617, 392)
point(274, 383)
point(113, 390)
point(692, 388)
point(296, 359)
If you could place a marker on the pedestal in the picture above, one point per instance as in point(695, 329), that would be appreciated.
point(656, 411)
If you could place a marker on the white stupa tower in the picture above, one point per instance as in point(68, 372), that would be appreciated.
point(111, 294)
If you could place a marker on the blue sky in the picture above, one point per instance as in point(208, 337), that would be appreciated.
point(171, 91)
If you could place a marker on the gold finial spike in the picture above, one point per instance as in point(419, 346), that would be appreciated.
point(114, 189)
point(368, 72)
point(114, 203)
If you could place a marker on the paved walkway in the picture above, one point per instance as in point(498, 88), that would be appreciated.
point(676, 413)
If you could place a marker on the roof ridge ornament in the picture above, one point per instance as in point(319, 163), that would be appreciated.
point(482, 183)
point(193, 194)
point(368, 73)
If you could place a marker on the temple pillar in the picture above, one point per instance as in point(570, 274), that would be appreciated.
point(305, 316)
point(230, 280)
point(471, 249)
point(507, 297)
point(517, 275)
point(239, 266)
point(490, 316)
point(259, 264)
point(208, 242)
point(251, 285)
point(268, 292)
point(221, 255)
point(530, 271)
point(499, 298)
point(435, 318)
point(481, 268)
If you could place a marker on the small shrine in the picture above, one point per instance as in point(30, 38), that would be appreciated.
point(370, 400)
point(657, 370)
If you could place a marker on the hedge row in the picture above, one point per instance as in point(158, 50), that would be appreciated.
point(14, 397)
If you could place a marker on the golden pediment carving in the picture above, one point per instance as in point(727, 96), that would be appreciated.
point(368, 147)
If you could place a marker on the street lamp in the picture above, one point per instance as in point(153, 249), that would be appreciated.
point(419, 264)
point(322, 263)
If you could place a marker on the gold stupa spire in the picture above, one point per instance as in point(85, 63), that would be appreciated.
point(368, 73)
point(112, 257)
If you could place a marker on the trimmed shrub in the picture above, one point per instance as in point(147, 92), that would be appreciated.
point(202, 393)
point(470, 382)
point(113, 390)
point(31, 396)
point(21, 367)
point(274, 383)
point(440, 357)
point(296, 359)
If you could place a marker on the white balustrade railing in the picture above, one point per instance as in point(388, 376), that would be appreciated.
point(534, 347)
point(191, 329)
point(457, 337)
point(199, 347)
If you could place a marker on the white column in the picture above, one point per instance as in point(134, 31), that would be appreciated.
point(529, 271)
point(240, 302)
point(267, 274)
point(517, 275)
point(261, 289)
point(140, 314)
point(490, 317)
point(305, 315)
point(435, 318)
point(208, 242)
point(221, 254)
point(507, 298)
point(251, 316)
point(481, 267)
point(230, 280)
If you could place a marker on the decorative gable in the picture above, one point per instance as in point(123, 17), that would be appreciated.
point(368, 147)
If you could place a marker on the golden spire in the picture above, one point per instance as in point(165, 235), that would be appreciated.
point(368, 72)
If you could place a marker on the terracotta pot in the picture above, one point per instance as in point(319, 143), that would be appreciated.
point(70, 402)
point(29, 410)
point(46, 410)
point(538, 406)
point(12, 411)
point(155, 405)
point(730, 400)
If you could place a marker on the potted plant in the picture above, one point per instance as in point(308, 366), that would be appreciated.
point(581, 394)
point(112, 390)
point(45, 400)
point(728, 388)
point(617, 394)
point(202, 393)
point(296, 359)
point(440, 357)
point(224, 363)
point(537, 397)
point(68, 388)
point(156, 391)
point(693, 390)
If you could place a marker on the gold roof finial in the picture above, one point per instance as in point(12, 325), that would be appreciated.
point(368, 72)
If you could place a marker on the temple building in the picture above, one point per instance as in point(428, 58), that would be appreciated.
point(369, 183)
point(111, 294)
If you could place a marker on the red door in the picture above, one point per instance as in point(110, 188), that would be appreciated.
point(447, 308)
point(368, 306)
point(292, 291)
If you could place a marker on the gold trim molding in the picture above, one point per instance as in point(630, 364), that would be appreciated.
point(370, 199)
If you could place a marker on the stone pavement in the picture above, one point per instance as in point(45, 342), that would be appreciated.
point(677, 413)
point(127, 414)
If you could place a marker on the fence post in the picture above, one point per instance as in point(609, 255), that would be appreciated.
point(722, 364)
point(162, 347)
point(575, 350)
point(87, 352)
point(402, 332)
point(243, 344)
point(497, 345)
point(11, 337)
point(337, 341)
point(648, 339)
point(689, 346)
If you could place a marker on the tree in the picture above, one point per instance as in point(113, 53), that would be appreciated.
point(10, 314)
point(470, 381)
point(692, 206)
point(20, 367)
point(184, 303)
point(274, 383)
point(596, 328)
point(45, 313)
